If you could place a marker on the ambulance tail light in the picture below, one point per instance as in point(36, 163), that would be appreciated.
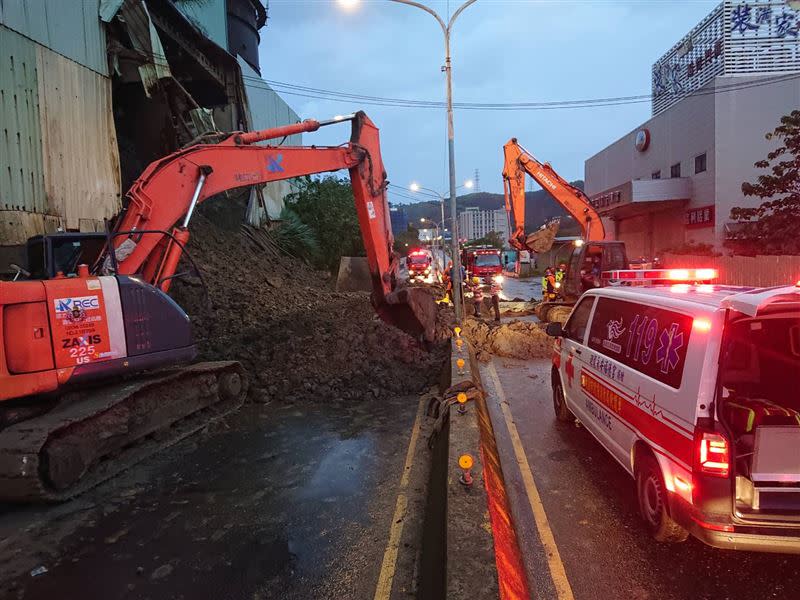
point(712, 454)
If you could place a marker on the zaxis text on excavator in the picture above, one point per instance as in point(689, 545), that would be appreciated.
point(595, 250)
point(95, 307)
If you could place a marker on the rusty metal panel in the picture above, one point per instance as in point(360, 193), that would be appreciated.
point(74, 31)
point(21, 175)
point(79, 144)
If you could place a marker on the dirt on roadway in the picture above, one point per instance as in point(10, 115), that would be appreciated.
point(514, 339)
point(296, 337)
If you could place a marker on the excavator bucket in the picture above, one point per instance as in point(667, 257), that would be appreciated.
point(542, 240)
point(412, 310)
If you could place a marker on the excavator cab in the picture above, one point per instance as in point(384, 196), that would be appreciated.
point(588, 262)
point(54, 253)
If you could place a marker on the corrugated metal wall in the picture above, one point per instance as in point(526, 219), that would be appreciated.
point(69, 27)
point(267, 109)
point(79, 142)
point(59, 163)
point(21, 177)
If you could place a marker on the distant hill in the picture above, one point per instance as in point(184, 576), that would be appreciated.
point(539, 208)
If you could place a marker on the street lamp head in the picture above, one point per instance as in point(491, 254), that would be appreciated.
point(422, 219)
point(414, 187)
point(348, 4)
point(468, 184)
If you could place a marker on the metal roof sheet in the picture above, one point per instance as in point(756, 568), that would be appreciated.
point(75, 32)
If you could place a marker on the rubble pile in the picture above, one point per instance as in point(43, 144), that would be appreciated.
point(515, 339)
point(295, 336)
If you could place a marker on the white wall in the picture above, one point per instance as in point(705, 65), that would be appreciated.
point(729, 126)
point(677, 135)
point(743, 118)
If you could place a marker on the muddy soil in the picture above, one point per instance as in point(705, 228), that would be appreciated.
point(514, 339)
point(282, 320)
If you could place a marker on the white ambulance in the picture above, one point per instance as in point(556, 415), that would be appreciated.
point(695, 390)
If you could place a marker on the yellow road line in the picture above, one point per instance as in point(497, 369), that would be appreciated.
point(388, 567)
point(557, 572)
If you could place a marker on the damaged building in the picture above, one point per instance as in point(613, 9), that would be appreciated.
point(89, 96)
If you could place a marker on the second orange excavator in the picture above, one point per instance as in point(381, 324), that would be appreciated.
point(94, 307)
point(593, 255)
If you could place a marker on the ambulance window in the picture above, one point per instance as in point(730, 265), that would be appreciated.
point(648, 339)
point(575, 328)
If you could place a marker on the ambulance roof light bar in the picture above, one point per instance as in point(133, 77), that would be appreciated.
point(656, 276)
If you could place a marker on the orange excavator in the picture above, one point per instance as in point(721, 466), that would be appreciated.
point(94, 307)
point(593, 255)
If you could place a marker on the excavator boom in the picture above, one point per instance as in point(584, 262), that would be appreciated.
point(164, 197)
point(518, 162)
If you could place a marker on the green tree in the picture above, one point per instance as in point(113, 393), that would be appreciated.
point(406, 240)
point(327, 206)
point(774, 226)
point(493, 239)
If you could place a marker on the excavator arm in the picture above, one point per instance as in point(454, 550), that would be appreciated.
point(517, 162)
point(151, 234)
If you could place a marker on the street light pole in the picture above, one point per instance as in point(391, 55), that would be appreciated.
point(446, 29)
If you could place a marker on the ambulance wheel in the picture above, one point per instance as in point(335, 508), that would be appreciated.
point(652, 496)
point(563, 414)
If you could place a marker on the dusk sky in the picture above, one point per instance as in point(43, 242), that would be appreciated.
point(504, 51)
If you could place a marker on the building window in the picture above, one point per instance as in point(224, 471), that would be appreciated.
point(655, 174)
point(700, 163)
point(675, 170)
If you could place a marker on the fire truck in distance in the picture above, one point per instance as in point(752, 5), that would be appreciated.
point(420, 266)
point(483, 262)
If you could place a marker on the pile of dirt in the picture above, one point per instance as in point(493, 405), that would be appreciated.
point(281, 319)
point(515, 339)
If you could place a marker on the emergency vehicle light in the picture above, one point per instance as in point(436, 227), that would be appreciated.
point(713, 455)
point(703, 325)
point(682, 275)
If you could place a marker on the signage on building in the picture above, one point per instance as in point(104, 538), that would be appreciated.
point(642, 140)
point(736, 38)
point(702, 216)
point(606, 199)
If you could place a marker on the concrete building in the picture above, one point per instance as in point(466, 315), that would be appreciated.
point(474, 223)
point(92, 94)
point(399, 219)
point(674, 179)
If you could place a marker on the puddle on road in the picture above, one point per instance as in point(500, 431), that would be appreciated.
point(341, 472)
point(258, 509)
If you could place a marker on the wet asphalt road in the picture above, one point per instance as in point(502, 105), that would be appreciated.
point(282, 501)
point(526, 289)
point(591, 509)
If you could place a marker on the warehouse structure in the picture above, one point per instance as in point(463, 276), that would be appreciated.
point(91, 95)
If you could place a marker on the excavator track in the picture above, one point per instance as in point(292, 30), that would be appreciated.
point(92, 436)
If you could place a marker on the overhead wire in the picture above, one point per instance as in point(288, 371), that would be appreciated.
point(293, 89)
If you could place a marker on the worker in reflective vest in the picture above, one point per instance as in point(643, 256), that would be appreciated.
point(477, 295)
